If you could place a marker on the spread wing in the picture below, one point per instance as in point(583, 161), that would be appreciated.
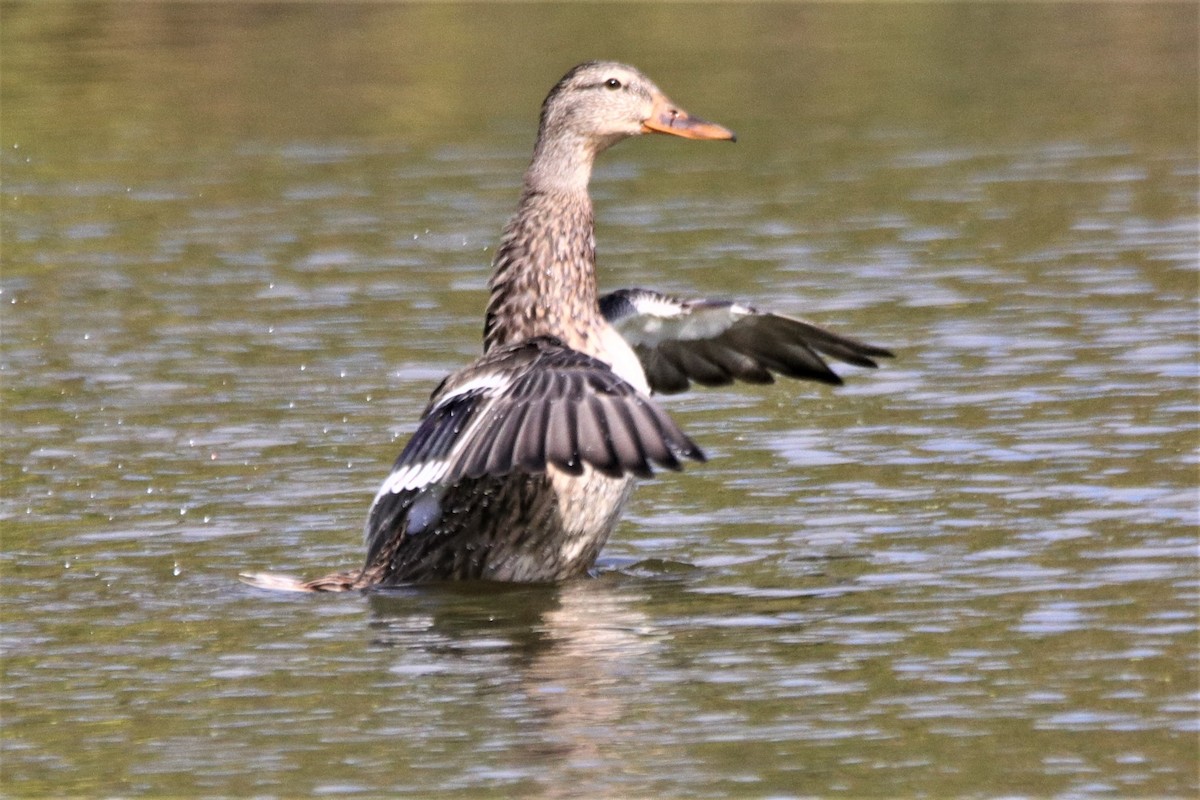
point(521, 408)
point(715, 342)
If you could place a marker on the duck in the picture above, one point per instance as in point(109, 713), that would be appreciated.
point(522, 462)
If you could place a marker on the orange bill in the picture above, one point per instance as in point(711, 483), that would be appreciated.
point(671, 119)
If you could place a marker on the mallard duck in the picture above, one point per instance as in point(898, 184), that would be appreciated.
point(522, 461)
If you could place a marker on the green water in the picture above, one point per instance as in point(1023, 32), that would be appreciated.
point(242, 242)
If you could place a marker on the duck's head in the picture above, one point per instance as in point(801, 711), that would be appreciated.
point(600, 103)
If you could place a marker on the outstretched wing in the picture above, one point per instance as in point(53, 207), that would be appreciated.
point(715, 342)
point(522, 408)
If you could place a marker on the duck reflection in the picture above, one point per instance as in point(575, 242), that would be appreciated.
point(562, 657)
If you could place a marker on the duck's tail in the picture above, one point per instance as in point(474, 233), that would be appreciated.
point(338, 582)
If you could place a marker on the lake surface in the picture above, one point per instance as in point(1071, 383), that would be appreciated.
point(242, 243)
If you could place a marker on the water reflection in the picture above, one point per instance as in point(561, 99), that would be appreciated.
point(556, 657)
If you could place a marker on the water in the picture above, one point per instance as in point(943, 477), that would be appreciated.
point(242, 244)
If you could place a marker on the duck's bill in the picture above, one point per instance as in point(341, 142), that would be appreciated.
point(670, 119)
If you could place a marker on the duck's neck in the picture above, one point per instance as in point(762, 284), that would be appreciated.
point(544, 273)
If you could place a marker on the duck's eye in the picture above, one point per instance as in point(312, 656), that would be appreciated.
point(613, 83)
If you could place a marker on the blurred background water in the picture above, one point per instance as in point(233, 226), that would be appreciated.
point(242, 242)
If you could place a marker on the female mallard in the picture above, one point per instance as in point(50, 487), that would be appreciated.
point(523, 460)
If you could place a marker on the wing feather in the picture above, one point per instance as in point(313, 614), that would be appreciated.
point(625, 437)
point(474, 450)
point(716, 342)
point(655, 440)
point(663, 376)
point(524, 406)
point(676, 440)
point(737, 362)
point(504, 439)
point(531, 455)
point(690, 359)
point(562, 443)
point(595, 441)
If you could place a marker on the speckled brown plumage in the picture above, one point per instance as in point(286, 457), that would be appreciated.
point(544, 278)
